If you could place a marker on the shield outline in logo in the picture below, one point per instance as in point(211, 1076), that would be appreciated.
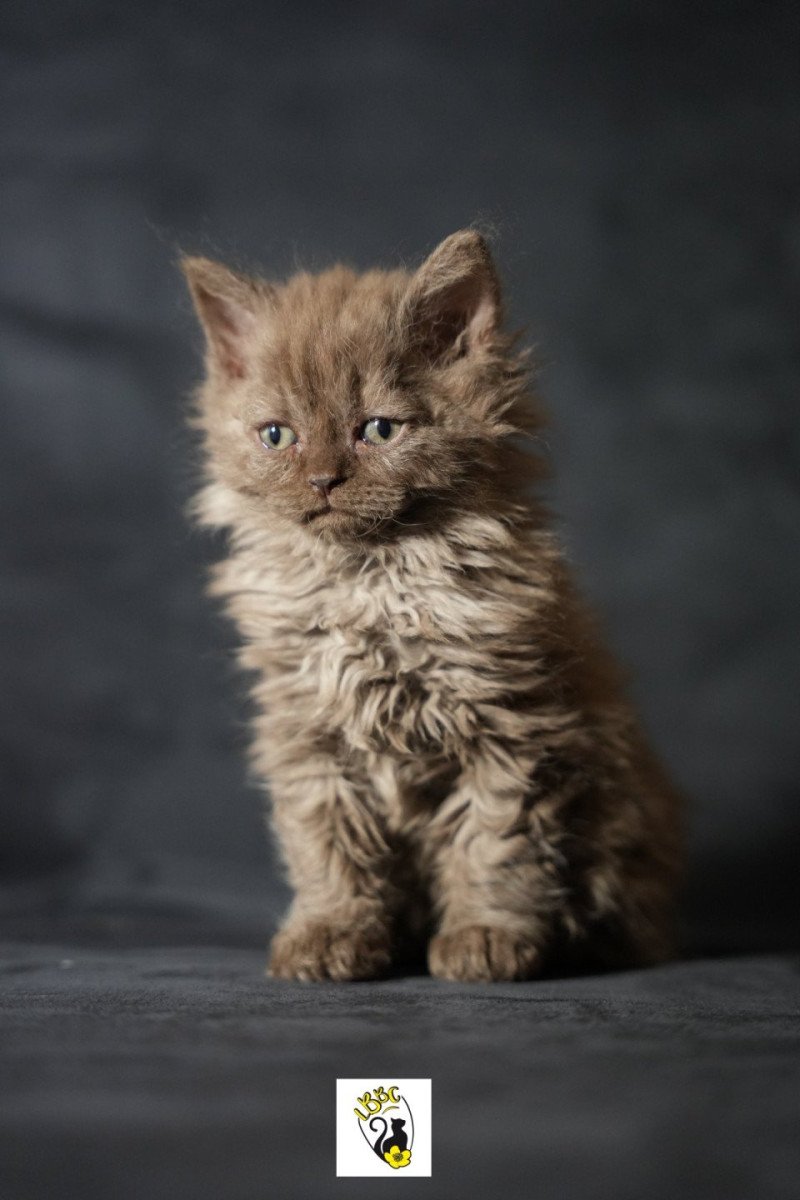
point(404, 1108)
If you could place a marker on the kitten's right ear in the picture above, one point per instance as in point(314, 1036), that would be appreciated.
point(229, 306)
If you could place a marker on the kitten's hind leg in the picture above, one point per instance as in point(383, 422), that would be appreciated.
point(339, 855)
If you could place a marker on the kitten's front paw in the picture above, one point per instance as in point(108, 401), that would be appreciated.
point(315, 950)
point(482, 953)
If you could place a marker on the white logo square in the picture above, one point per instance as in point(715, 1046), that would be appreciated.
point(383, 1127)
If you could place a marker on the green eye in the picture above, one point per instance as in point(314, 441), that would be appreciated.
point(379, 430)
point(277, 437)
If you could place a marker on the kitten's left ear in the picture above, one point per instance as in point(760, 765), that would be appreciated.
point(228, 305)
point(452, 306)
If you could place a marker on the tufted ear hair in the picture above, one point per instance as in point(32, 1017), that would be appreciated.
point(228, 305)
point(452, 307)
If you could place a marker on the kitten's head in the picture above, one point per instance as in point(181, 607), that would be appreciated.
point(357, 404)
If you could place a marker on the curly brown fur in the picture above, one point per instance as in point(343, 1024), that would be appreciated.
point(448, 748)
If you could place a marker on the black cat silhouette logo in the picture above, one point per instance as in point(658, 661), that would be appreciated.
point(385, 1120)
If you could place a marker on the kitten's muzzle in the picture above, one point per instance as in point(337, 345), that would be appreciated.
point(324, 484)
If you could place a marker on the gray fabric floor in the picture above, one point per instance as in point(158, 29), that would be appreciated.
point(143, 1059)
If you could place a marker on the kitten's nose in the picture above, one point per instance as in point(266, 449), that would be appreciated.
point(325, 483)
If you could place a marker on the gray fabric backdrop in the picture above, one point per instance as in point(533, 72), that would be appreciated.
point(637, 162)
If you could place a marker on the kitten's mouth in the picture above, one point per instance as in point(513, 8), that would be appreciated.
point(322, 511)
point(340, 521)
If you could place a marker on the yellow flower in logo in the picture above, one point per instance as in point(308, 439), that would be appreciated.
point(397, 1157)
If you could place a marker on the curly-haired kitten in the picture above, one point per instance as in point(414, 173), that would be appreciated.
point(450, 757)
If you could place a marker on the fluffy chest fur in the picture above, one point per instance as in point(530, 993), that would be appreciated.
point(407, 649)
